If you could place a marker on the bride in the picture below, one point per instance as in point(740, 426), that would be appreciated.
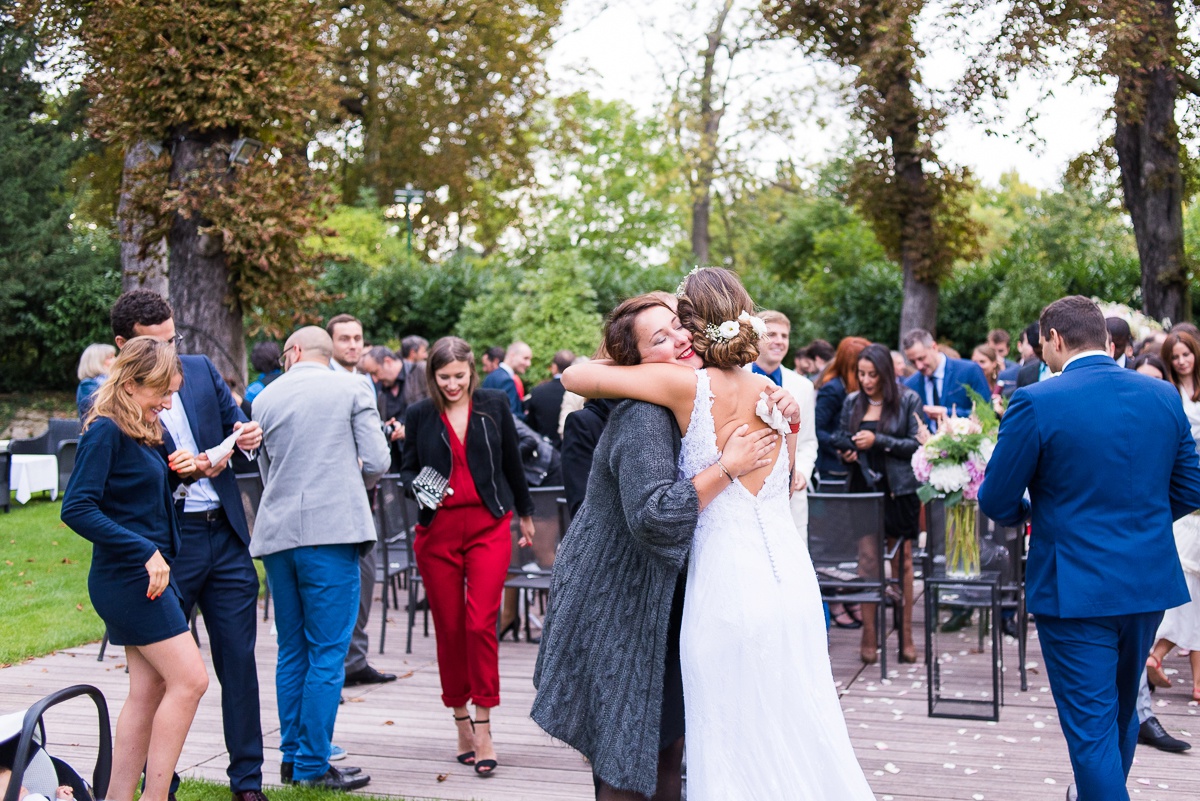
point(762, 714)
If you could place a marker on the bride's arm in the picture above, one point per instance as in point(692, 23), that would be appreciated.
point(669, 385)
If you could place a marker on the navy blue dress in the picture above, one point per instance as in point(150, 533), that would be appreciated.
point(119, 498)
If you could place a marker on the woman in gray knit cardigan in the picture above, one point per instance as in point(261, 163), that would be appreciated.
point(607, 673)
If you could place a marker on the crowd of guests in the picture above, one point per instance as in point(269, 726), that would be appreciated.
point(328, 413)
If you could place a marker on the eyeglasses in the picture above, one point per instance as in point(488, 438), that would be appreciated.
point(176, 340)
point(283, 356)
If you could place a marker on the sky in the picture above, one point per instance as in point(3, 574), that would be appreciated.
point(622, 49)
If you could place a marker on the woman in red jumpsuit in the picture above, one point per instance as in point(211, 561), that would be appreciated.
point(462, 548)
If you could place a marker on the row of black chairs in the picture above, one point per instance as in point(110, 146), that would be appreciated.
point(60, 439)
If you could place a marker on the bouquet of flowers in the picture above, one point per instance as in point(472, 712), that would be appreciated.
point(951, 465)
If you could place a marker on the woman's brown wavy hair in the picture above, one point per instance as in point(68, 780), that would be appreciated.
point(145, 361)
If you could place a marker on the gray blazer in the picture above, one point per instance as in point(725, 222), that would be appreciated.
point(317, 424)
point(599, 670)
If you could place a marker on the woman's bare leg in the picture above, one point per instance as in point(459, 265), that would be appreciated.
point(133, 726)
point(1154, 671)
point(177, 661)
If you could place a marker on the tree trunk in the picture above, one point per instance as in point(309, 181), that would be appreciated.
point(143, 265)
point(207, 312)
point(1147, 144)
point(709, 128)
point(919, 309)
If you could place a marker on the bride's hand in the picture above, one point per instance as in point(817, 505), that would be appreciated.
point(744, 452)
point(786, 404)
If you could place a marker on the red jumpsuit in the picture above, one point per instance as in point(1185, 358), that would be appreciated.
point(463, 556)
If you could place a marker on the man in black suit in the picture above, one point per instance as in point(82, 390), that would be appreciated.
point(1118, 331)
point(214, 569)
point(545, 400)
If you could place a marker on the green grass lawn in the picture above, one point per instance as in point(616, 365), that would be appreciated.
point(44, 602)
point(200, 790)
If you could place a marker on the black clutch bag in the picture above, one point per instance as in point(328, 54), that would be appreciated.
point(430, 487)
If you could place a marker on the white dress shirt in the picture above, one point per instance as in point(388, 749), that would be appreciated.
point(201, 495)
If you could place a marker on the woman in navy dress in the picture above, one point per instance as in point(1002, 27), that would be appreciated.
point(119, 498)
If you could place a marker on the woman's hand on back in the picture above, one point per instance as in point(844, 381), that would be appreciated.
point(744, 451)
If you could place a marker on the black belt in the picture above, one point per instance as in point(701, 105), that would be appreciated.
point(208, 515)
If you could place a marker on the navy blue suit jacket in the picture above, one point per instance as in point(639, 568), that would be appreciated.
point(959, 373)
point(1076, 441)
point(500, 379)
point(211, 414)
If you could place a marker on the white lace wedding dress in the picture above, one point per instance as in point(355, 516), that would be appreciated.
point(762, 713)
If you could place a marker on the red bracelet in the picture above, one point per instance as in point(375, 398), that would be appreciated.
point(795, 428)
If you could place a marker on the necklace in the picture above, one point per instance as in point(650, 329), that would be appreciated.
point(875, 402)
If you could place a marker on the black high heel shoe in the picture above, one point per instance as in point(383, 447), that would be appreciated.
point(514, 627)
point(467, 757)
point(485, 767)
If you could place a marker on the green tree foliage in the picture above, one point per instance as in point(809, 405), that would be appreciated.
point(442, 95)
point(56, 279)
point(556, 310)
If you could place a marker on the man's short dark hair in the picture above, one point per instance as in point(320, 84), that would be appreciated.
point(411, 344)
point(563, 359)
point(138, 307)
point(1033, 335)
point(820, 349)
point(998, 336)
point(264, 356)
point(495, 353)
point(338, 319)
point(1077, 320)
point(917, 336)
point(378, 353)
point(1118, 329)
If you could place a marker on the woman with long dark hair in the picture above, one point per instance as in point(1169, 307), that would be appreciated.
point(878, 433)
point(467, 435)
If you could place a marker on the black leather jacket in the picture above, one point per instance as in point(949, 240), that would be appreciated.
point(898, 441)
point(493, 452)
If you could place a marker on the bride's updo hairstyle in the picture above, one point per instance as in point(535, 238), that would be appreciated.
point(712, 296)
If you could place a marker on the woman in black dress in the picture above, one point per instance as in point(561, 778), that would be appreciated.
point(878, 433)
point(120, 498)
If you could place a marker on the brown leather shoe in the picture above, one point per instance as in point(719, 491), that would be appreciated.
point(250, 795)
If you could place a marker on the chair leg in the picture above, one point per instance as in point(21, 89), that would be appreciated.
point(266, 598)
point(881, 633)
point(383, 603)
point(103, 646)
point(412, 614)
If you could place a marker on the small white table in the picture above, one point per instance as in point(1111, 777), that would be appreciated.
point(32, 473)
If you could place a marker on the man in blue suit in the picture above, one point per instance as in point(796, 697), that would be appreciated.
point(1102, 564)
point(507, 377)
point(940, 380)
point(213, 569)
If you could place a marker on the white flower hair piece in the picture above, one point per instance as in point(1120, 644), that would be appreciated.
point(757, 323)
point(723, 332)
point(679, 289)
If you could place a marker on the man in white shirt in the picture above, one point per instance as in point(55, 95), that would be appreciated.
point(771, 350)
point(347, 334)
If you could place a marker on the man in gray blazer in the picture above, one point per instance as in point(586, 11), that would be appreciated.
point(321, 439)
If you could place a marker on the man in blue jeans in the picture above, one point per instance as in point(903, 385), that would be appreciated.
point(321, 439)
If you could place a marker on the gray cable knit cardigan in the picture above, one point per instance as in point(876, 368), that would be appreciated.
point(599, 670)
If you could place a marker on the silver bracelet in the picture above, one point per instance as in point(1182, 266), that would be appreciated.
point(726, 472)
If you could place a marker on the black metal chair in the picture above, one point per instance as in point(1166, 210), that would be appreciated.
point(393, 565)
point(5, 480)
point(39, 445)
point(848, 549)
point(62, 429)
point(532, 567)
point(66, 462)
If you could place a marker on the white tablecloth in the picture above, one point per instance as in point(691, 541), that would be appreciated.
point(33, 473)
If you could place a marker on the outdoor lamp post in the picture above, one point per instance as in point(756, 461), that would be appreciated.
point(410, 197)
point(243, 150)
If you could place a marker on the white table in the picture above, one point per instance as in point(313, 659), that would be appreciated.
point(32, 473)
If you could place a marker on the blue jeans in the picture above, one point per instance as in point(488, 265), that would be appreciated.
point(315, 590)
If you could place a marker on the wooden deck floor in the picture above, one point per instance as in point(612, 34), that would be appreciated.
point(403, 737)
